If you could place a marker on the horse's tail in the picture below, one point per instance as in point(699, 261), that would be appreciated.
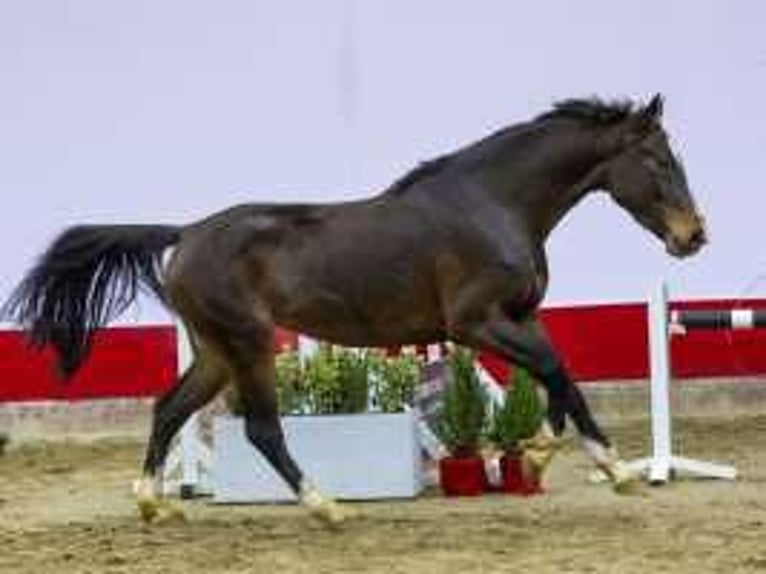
point(86, 278)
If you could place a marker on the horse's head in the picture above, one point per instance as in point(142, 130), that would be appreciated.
point(648, 181)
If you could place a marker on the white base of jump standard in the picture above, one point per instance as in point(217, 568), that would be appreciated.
point(659, 470)
point(352, 457)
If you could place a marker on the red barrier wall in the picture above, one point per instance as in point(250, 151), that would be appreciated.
point(603, 342)
point(126, 362)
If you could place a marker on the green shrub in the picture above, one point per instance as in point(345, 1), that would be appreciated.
point(338, 380)
point(462, 417)
point(289, 382)
point(394, 380)
point(519, 417)
point(335, 381)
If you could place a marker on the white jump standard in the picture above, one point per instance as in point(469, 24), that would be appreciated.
point(663, 463)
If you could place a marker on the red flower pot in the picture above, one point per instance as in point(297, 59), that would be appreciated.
point(515, 480)
point(463, 476)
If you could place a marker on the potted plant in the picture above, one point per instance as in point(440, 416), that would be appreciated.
point(517, 420)
point(460, 424)
point(351, 452)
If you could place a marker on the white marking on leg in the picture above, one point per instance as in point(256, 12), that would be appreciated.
point(611, 464)
point(147, 487)
point(147, 500)
point(310, 496)
point(603, 457)
point(321, 506)
point(546, 430)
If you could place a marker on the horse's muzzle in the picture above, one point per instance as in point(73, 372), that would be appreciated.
point(687, 244)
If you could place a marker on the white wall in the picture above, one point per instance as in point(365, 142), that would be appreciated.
point(165, 111)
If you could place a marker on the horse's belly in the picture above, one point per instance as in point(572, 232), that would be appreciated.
point(352, 319)
point(361, 336)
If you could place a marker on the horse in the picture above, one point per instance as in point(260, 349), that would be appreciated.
point(455, 250)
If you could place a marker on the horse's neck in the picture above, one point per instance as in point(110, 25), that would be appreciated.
point(542, 190)
point(557, 202)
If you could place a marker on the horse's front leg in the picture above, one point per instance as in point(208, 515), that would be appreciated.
point(525, 343)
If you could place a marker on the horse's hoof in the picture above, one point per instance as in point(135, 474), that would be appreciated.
point(321, 507)
point(148, 509)
point(156, 511)
point(627, 486)
point(624, 480)
point(533, 464)
point(332, 514)
point(170, 513)
point(538, 454)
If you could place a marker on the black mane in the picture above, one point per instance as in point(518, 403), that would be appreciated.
point(423, 171)
point(592, 110)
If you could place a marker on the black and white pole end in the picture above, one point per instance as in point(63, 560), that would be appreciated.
point(716, 319)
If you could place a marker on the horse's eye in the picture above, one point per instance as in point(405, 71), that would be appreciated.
point(651, 163)
point(658, 166)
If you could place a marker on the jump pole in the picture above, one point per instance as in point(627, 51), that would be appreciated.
point(662, 463)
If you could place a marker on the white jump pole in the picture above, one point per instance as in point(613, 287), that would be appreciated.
point(662, 463)
point(495, 392)
point(429, 442)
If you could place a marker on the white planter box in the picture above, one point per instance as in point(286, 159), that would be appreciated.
point(352, 457)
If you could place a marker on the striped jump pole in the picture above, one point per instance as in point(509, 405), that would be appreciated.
point(689, 320)
point(662, 462)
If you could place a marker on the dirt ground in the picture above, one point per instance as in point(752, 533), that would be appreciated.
point(67, 507)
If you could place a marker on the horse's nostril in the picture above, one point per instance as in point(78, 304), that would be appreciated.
point(698, 237)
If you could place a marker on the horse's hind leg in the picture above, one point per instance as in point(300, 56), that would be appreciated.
point(243, 336)
point(198, 385)
point(255, 382)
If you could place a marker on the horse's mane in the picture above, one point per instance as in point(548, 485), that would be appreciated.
point(591, 110)
point(422, 171)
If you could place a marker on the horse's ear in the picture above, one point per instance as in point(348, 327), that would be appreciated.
point(653, 110)
point(644, 120)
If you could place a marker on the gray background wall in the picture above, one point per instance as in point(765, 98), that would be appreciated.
point(152, 111)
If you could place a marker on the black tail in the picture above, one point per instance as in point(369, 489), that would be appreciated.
point(88, 276)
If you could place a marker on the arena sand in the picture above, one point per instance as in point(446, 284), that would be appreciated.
point(67, 508)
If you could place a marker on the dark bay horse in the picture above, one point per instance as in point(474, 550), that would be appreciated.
point(454, 250)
